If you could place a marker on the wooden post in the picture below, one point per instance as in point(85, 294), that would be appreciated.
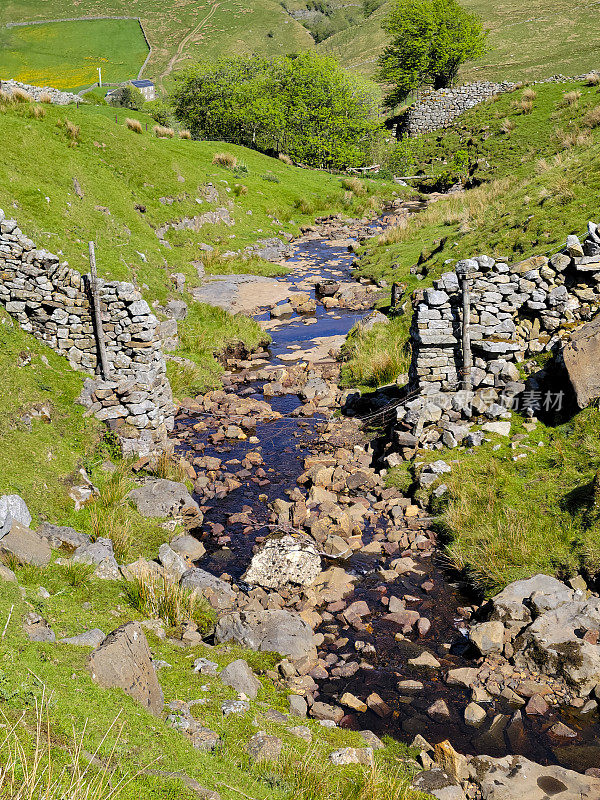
point(394, 298)
point(466, 333)
point(100, 346)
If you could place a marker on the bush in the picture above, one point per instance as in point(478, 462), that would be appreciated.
point(227, 160)
point(163, 133)
point(127, 97)
point(134, 125)
point(309, 108)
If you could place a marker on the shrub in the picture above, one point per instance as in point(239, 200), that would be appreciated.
point(591, 118)
point(286, 159)
point(185, 134)
point(45, 97)
point(240, 189)
point(161, 132)
point(134, 125)
point(227, 160)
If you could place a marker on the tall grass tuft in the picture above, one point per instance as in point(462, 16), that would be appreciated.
point(227, 160)
point(355, 186)
point(185, 134)
point(161, 597)
point(570, 99)
point(591, 119)
point(45, 97)
point(20, 96)
point(162, 132)
point(286, 159)
point(33, 768)
point(134, 125)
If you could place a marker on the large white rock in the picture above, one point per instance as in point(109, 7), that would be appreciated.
point(283, 561)
point(13, 509)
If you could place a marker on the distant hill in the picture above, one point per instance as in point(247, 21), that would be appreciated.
point(526, 42)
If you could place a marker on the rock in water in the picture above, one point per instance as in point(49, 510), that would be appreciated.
point(123, 661)
point(284, 560)
point(517, 778)
point(581, 355)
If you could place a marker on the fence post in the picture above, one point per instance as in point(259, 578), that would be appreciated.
point(463, 268)
point(98, 330)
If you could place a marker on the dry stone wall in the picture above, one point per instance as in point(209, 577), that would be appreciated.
point(439, 109)
point(52, 301)
point(516, 312)
point(55, 96)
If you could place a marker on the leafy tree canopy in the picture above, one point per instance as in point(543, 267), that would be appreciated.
point(430, 40)
point(302, 105)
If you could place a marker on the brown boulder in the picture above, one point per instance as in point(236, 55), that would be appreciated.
point(123, 661)
point(581, 355)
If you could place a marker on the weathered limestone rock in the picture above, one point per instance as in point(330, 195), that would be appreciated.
point(581, 355)
point(517, 778)
point(123, 661)
point(284, 560)
point(163, 498)
point(13, 509)
point(100, 553)
point(218, 593)
point(240, 677)
point(488, 637)
point(26, 546)
point(276, 631)
point(264, 747)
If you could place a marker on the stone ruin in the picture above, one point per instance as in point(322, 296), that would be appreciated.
point(465, 365)
point(53, 302)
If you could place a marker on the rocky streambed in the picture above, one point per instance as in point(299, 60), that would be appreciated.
point(295, 519)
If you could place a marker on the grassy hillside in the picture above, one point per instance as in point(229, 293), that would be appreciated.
point(67, 55)
point(185, 32)
point(515, 507)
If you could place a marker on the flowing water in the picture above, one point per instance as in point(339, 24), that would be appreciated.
point(435, 593)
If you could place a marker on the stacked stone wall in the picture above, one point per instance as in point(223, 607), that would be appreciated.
point(439, 109)
point(516, 312)
point(52, 301)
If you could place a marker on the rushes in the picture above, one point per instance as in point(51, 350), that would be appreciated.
point(355, 186)
point(161, 597)
point(162, 132)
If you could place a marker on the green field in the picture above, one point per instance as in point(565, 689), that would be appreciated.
point(526, 43)
point(185, 31)
point(67, 55)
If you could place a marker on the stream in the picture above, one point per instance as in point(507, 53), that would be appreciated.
point(369, 656)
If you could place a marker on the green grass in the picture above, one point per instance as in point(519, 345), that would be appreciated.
point(188, 32)
point(376, 357)
point(508, 519)
point(67, 55)
point(139, 741)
